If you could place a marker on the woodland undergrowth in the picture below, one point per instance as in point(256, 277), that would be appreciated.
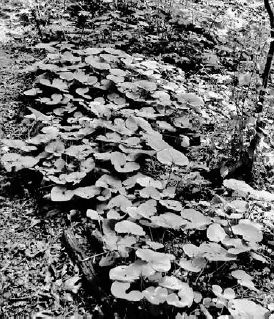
point(138, 118)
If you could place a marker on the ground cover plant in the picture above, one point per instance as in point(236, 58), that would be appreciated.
point(120, 137)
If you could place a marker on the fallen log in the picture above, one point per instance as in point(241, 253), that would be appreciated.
point(84, 262)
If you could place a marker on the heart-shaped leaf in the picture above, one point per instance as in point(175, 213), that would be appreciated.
point(79, 151)
point(132, 272)
point(56, 148)
point(215, 232)
point(118, 72)
point(214, 252)
point(18, 144)
point(121, 163)
point(124, 273)
point(184, 298)
point(244, 279)
point(118, 289)
point(56, 83)
point(171, 282)
point(55, 99)
point(191, 99)
point(195, 219)
point(171, 204)
point(150, 192)
point(146, 85)
point(74, 177)
point(32, 92)
point(147, 181)
point(129, 227)
point(68, 76)
point(227, 294)
point(156, 142)
point(96, 64)
point(93, 214)
point(87, 192)
point(158, 261)
point(80, 76)
point(170, 156)
point(39, 116)
point(83, 92)
point(244, 308)
point(193, 265)
point(61, 194)
point(191, 250)
point(17, 161)
point(248, 230)
point(155, 295)
point(168, 220)
point(121, 202)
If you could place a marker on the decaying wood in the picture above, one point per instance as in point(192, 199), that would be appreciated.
point(84, 262)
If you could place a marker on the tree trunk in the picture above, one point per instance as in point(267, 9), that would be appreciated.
point(265, 77)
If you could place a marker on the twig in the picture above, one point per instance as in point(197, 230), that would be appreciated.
point(23, 298)
point(93, 256)
point(200, 274)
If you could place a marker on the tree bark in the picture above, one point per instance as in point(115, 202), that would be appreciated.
point(84, 263)
point(265, 77)
point(268, 64)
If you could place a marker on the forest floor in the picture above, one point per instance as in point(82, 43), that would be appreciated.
point(38, 278)
point(33, 265)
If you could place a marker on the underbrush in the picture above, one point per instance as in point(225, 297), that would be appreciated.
point(119, 140)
